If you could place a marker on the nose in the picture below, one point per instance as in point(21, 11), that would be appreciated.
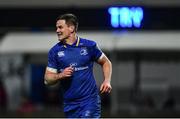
point(57, 30)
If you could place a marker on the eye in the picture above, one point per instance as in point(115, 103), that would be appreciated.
point(59, 27)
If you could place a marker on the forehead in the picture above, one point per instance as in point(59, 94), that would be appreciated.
point(60, 23)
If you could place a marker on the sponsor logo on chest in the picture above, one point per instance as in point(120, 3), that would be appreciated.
point(61, 54)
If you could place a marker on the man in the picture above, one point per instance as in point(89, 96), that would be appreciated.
point(70, 62)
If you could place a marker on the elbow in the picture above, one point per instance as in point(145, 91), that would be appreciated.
point(49, 81)
point(46, 80)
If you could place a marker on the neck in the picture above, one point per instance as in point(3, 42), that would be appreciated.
point(71, 39)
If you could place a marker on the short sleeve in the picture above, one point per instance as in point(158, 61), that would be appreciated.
point(96, 52)
point(52, 61)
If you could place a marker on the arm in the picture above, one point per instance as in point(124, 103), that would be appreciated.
point(107, 72)
point(52, 78)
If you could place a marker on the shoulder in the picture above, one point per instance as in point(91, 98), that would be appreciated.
point(87, 42)
point(55, 47)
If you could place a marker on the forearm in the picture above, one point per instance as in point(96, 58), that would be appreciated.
point(52, 78)
point(107, 70)
point(106, 67)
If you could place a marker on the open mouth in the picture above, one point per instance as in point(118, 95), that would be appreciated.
point(59, 33)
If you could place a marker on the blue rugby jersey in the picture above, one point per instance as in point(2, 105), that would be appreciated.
point(80, 55)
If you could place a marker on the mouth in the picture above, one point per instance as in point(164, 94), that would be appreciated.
point(59, 34)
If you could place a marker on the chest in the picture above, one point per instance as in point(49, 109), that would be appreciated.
point(75, 56)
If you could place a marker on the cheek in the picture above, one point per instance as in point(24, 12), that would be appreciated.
point(67, 32)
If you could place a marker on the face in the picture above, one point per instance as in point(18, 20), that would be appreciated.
point(63, 30)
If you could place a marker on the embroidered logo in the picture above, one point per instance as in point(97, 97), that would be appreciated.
point(61, 54)
point(73, 64)
point(83, 51)
point(87, 113)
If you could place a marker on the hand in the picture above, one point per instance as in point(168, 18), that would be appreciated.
point(105, 87)
point(67, 72)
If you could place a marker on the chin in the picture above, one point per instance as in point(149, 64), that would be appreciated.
point(60, 39)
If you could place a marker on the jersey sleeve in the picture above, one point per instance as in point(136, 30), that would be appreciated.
point(96, 52)
point(52, 62)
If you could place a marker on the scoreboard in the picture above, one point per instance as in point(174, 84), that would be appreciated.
point(125, 16)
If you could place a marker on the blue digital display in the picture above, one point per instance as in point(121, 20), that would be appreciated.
point(126, 17)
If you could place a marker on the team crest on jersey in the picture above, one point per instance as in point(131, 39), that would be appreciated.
point(61, 54)
point(83, 51)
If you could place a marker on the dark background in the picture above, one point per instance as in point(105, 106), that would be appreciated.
point(155, 18)
point(132, 100)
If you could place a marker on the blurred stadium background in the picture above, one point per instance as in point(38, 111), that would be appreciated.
point(145, 56)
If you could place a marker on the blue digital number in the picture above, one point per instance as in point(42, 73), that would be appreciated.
point(126, 17)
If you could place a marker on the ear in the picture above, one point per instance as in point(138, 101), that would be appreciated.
point(72, 28)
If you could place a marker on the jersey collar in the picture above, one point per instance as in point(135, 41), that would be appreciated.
point(76, 43)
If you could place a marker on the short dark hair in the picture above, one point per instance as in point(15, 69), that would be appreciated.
point(70, 19)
